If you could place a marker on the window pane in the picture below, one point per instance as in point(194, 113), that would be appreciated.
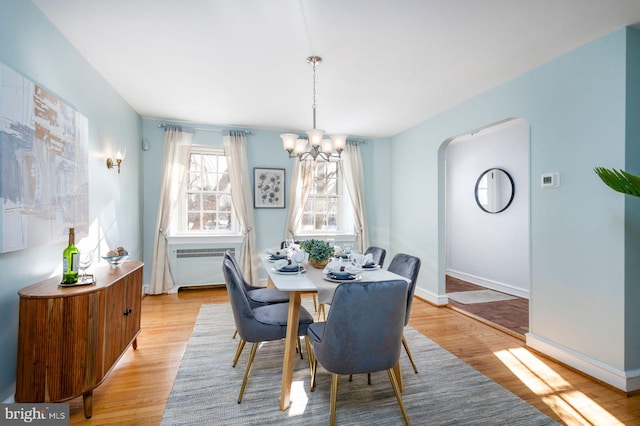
point(209, 163)
point(194, 222)
point(209, 202)
point(194, 202)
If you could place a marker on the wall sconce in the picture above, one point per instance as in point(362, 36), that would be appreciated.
point(121, 150)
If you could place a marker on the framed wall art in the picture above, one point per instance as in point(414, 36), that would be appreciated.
point(268, 188)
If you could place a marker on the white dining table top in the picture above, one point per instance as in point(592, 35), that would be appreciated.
point(313, 280)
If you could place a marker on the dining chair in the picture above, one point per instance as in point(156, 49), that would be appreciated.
point(378, 254)
point(407, 266)
point(362, 334)
point(256, 324)
point(257, 296)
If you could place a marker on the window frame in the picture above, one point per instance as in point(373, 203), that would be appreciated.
point(179, 223)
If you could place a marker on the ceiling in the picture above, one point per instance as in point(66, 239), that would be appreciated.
point(387, 64)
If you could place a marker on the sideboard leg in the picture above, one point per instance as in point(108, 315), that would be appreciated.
point(87, 399)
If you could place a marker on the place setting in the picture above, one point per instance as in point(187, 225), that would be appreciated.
point(290, 264)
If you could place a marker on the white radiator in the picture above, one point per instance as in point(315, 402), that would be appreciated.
point(196, 265)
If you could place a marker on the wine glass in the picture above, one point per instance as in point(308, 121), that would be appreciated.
point(346, 249)
point(84, 261)
point(288, 245)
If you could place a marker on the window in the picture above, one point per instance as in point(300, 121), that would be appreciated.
point(324, 212)
point(206, 205)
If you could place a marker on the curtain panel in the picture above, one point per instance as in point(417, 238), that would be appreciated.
point(353, 175)
point(177, 151)
point(235, 149)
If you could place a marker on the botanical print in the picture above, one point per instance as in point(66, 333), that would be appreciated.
point(268, 188)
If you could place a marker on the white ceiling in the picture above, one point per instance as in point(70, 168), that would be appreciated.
point(387, 64)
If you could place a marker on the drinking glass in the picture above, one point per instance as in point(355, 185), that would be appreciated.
point(347, 250)
point(84, 262)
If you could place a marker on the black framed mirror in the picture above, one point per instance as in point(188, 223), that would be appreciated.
point(494, 190)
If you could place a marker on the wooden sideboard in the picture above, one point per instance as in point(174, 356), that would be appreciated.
point(69, 338)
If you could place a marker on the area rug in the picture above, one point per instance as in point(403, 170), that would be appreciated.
point(446, 391)
point(479, 296)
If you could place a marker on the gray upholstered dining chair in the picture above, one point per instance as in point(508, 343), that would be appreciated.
point(362, 334)
point(258, 296)
point(378, 254)
point(407, 266)
point(257, 324)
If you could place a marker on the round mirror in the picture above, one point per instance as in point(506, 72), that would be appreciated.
point(494, 190)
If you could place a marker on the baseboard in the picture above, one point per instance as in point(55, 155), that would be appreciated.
point(435, 299)
point(627, 381)
point(493, 285)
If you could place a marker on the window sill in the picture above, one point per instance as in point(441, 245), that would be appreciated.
point(205, 239)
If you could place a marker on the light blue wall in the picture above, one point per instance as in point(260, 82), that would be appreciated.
point(576, 108)
point(33, 47)
point(632, 204)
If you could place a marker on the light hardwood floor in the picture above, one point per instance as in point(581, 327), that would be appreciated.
point(137, 389)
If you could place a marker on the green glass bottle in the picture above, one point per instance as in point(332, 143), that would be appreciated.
point(70, 261)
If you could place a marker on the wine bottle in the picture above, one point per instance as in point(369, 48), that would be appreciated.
point(70, 261)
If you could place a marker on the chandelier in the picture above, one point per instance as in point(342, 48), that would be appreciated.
point(316, 145)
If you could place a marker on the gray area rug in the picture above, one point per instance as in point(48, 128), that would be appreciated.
point(446, 391)
point(479, 296)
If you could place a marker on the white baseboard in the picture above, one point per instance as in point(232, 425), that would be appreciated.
point(438, 300)
point(493, 285)
point(626, 381)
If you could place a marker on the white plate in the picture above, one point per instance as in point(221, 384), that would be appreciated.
point(288, 272)
point(335, 280)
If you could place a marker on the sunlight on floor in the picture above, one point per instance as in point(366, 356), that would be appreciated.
point(298, 400)
point(572, 406)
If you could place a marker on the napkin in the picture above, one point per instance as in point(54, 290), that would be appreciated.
point(276, 254)
point(286, 265)
point(363, 259)
point(337, 266)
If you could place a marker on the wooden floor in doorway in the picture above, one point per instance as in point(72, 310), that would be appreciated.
point(511, 316)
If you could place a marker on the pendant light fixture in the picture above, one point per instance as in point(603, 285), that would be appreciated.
point(317, 146)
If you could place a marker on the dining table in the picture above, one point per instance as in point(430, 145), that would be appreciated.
point(311, 280)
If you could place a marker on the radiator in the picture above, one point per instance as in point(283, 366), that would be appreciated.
point(196, 266)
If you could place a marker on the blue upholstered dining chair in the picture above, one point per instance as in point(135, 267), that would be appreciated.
point(257, 324)
point(407, 266)
point(378, 254)
point(258, 296)
point(362, 334)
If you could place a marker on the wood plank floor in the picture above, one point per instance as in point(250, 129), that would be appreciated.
point(136, 391)
point(509, 315)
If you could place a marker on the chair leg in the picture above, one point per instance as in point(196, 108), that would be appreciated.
point(235, 333)
point(406, 348)
point(334, 396)
point(396, 390)
point(321, 310)
point(313, 375)
point(368, 378)
point(238, 352)
point(299, 348)
point(254, 348)
point(309, 353)
point(315, 302)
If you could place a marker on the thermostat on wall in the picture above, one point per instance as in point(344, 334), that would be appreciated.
point(550, 180)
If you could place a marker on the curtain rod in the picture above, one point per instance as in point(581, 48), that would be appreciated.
point(246, 132)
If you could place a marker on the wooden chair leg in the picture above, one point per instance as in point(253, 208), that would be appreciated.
point(309, 353)
point(299, 347)
point(315, 302)
point(254, 348)
point(235, 333)
point(313, 375)
point(238, 352)
point(334, 396)
point(396, 390)
point(406, 348)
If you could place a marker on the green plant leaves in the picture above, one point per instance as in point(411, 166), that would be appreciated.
point(619, 180)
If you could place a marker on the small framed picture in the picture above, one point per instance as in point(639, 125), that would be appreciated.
point(268, 188)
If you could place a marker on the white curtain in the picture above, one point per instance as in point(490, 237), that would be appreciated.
point(299, 189)
point(177, 149)
point(235, 148)
point(351, 168)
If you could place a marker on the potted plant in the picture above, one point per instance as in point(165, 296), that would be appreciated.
point(319, 252)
